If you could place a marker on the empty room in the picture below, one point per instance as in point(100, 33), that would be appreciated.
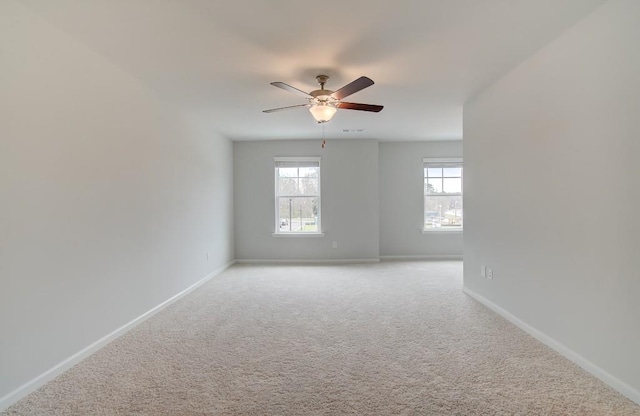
point(319, 208)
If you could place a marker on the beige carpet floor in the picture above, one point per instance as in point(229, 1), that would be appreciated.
point(380, 339)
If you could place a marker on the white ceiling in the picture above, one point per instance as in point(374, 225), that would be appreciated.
point(216, 58)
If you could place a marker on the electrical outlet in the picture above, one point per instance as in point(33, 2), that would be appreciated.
point(483, 271)
point(490, 273)
point(334, 244)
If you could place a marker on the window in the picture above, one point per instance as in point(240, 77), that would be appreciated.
point(297, 195)
point(442, 194)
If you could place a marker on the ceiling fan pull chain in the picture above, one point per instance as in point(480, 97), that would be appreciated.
point(323, 140)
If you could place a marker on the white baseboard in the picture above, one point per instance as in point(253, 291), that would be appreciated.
point(352, 261)
point(306, 261)
point(422, 257)
point(34, 384)
point(587, 365)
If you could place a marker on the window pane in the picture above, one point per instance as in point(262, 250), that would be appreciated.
point(455, 172)
point(288, 186)
point(443, 212)
point(298, 214)
point(288, 172)
point(434, 185)
point(284, 214)
point(452, 185)
point(309, 172)
point(309, 186)
point(434, 172)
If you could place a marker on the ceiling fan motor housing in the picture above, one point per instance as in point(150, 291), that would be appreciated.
point(318, 93)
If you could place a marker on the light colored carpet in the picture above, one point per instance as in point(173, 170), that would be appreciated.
point(382, 339)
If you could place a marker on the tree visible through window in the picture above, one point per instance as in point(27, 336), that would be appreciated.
point(442, 194)
point(297, 195)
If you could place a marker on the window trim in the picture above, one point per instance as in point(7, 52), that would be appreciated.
point(425, 161)
point(296, 234)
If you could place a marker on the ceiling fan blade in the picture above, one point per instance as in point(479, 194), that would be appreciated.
point(353, 87)
point(273, 110)
point(362, 107)
point(289, 88)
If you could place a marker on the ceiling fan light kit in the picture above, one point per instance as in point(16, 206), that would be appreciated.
point(323, 104)
point(322, 112)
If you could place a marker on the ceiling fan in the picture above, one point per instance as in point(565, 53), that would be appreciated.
point(323, 104)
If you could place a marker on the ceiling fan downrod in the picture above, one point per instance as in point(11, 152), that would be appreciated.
point(322, 79)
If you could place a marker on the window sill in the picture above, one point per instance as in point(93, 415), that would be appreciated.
point(297, 235)
point(441, 231)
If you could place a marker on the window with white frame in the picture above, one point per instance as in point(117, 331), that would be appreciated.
point(297, 184)
point(442, 194)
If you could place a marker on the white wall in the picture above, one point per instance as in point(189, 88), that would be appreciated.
point(371, 200)
point(109, 199)
point(349, 201)
point(401, 201)
point(552, 191)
